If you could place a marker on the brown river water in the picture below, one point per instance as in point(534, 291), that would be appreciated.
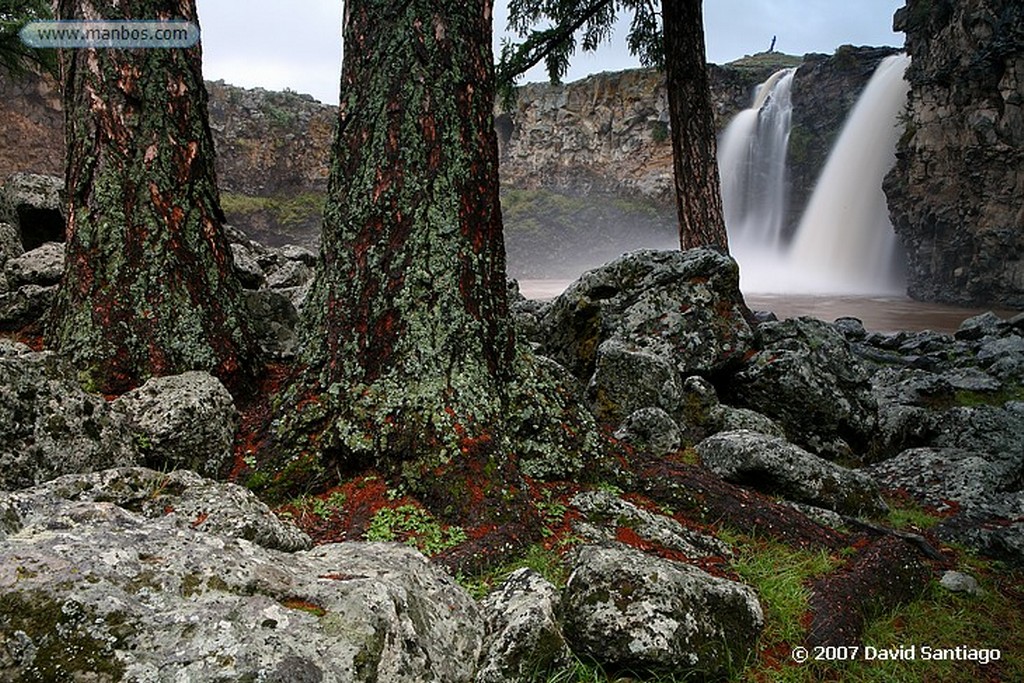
point(878, 313)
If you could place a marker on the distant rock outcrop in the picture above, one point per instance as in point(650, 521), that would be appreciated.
point(957, 193)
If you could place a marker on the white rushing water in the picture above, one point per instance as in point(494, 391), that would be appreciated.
point(845, 242)
point(752, 155)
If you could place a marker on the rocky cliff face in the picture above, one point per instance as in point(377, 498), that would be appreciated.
point(31, 127)
point(956, 194)
point(586, 167)
point(608, 133)
point(270, 143)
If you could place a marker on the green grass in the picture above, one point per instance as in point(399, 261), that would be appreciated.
point(547, 563)
point(766, 60)
point(286, 210)
point(781, 576)
point(909, 516)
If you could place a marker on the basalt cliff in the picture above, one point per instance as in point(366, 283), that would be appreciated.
point(957, 193)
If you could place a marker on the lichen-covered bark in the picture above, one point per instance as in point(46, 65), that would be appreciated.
point(410, 359)
point(149, 287)
point(698, 189)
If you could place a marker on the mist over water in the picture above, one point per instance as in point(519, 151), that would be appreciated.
point(845, 242)
point(843, 259)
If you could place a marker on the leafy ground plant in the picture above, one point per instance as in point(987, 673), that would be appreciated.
point(416, 527)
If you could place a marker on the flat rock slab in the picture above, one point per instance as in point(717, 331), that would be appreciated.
point(97, 589)
point(773, 465)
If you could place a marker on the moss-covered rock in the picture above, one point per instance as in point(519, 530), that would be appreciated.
point(50, 426)
point(646, 615)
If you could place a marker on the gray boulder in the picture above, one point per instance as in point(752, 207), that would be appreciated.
point(13, 349)
point(603, 514)
point(626, 380)
point(774, 465)
point(290, 274)
point(10, 242)
point(183, 497)
point(807, 380)
point(32, 204)
point(185, 421)
point(727, 418)
point(958, 582)
point(524, 635)
point(25, 305)
point(274, 321)
point(699, 405)
point(1003, 357)
point(980, 491)
point(995, 430)
point(249, 273)
point(987, 324)
point(630, 611)
point(297, 295)
point(294, 252)
point(940, 475)
point(651, 430)
point(684, 307)
point(49, 426)
point(42, 266)
point(152, 601)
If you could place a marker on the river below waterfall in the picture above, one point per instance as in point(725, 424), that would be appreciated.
point(878, 313)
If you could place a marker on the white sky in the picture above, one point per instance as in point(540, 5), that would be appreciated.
point(297, 44)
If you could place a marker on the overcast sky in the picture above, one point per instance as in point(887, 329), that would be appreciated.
point(297, 44)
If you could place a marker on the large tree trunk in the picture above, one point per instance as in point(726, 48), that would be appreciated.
point(409, 360)
point(694, 152)
point(149, 287)
point(408, 341)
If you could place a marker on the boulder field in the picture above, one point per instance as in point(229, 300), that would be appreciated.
point(127, 553)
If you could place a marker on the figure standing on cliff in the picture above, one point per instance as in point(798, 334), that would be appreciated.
point(771, 48)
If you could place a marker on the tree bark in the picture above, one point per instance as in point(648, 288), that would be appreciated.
point(410, 362)
point(694, 144)
point(149, 287)
point(408, 342)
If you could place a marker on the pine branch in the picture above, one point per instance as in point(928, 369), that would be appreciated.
point(540, 44)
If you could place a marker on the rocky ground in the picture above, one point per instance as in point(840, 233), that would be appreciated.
point(774, 484)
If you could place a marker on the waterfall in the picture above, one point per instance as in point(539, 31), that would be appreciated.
point(845, 241)
point(752, 163)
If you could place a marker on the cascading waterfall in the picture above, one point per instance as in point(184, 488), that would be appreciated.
point(752, 161)
point(845, 241)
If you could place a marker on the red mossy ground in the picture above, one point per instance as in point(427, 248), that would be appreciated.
point(502, 513)
point(255, 416)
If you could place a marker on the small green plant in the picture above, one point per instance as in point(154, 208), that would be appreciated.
point(552, 512)
point(659, 132)
point(607, 487)
point(323, 508)
point(416, 527)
